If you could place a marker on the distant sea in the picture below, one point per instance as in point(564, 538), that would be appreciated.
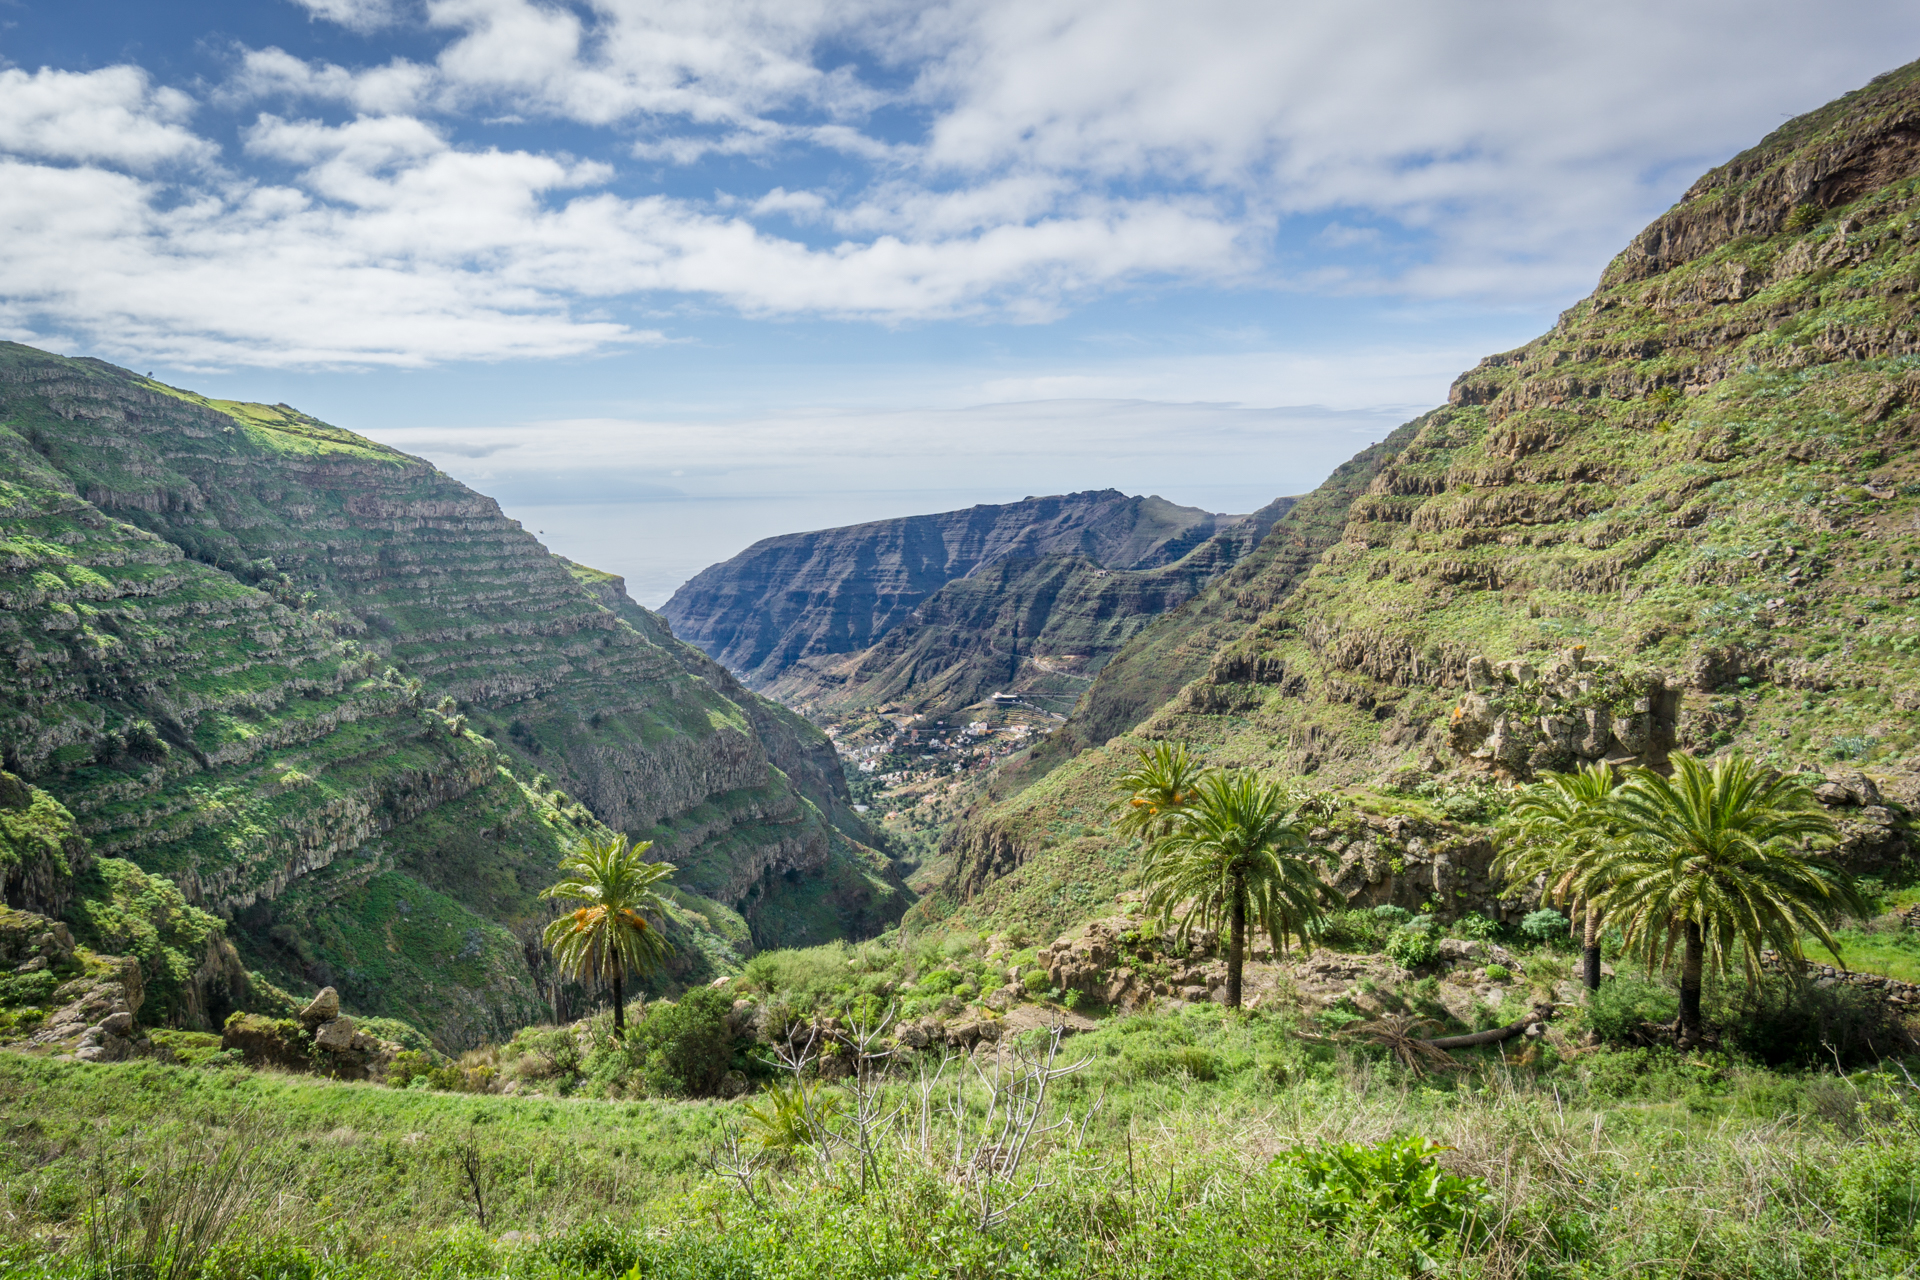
point(658, 543)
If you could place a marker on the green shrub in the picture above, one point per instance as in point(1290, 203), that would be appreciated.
point(1620, 1006)
point(1399, 1181)
point(1544, 925)
point(542, 1053)
point(1390, 915)
point(1498, 973)
point(938, 983)
point(1036, 981)
point(688, 1047)
point(1357, 931)
point(1784, 1023)
point(34, 989)
point(417, 1069)
point(1475, 927)
point(1411, 946)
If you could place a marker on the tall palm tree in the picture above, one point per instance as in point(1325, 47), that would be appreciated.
point(1239, 850)
point(611, 933)
point(1164, 780)
point(1563, 828)
point(1713, 860)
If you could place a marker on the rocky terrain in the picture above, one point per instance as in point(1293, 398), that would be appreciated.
point(935, 609)
point(1688, 517)
point(349, 713)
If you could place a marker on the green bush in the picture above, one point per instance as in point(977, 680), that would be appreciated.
point(1544, 925)
point(1399, 1182)
point(542, 1053)
point(1784, 1023)
point(1356, 931)
point(1498, 973)
point(1475, 927)
point(1036, 980)
point(416, 1069)
point(28, 988)
point(938, 983)
point(688, 1047)
point(1411, 946)
point(1620, 1006)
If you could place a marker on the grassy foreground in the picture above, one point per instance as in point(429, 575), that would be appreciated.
point(1198, 1144)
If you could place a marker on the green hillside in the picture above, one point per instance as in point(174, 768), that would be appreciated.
point(1684, 518)
point(347, 706)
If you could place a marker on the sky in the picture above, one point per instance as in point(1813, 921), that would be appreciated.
point(667, 276)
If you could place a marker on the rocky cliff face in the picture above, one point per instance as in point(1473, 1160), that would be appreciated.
point(315, 682)
point(1683, 519)
point(817, 597)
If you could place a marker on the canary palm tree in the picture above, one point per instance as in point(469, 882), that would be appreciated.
point(1562, 828)
point(1238, 851)
point(1716, 859)
point(610, 933)
point(1163, 781)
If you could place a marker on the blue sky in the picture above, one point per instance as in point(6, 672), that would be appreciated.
point(663, 274)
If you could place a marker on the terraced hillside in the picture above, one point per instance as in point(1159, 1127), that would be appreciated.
point(817, 598)
point(1687, 517)
point(1039, 627)
point(327, 690)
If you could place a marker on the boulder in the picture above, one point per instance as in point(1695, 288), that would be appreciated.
point(335, 1036)
point(1595, 732)
point(325, 1008)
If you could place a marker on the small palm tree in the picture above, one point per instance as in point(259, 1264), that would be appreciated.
point(1563, 828)
point(1239, 850)
point(1714, 861)
point(610, 934)
point(1164, 780)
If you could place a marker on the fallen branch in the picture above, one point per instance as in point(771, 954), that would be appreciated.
point(1395, 1033)
point(1540, 1014)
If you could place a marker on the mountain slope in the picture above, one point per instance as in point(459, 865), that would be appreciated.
point(1042, 628)
point(1685, 517)
point(325, 689)
point(836, 591)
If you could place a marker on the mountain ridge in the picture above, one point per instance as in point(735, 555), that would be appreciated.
point(330, 692)
point(1682, 519)
point(830, 592)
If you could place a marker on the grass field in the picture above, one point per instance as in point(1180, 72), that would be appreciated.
point(1177, 1159)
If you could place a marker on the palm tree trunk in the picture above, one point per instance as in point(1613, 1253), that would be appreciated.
point(1590, 951)
point(1692, 965)
point(619, 1005)
point(1237, 938)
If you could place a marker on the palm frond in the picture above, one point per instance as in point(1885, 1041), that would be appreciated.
point(611, 930)
point(1728, 848)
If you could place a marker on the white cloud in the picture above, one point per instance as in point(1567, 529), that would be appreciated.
point(1030, 154)
point(113, 115)
point(355, 15)
point(1136, 445)
point(397, 87)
